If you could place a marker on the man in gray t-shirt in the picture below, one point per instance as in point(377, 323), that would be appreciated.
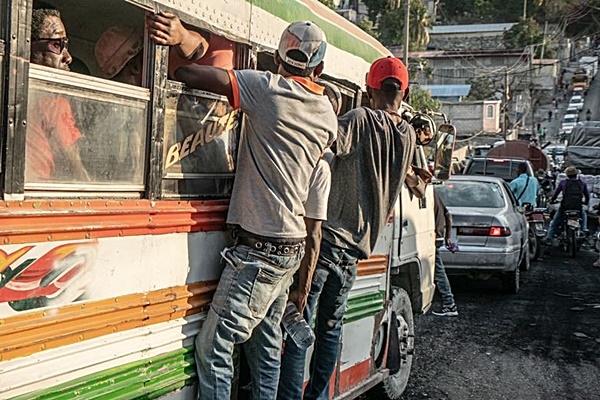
point(374, 150)
point(288, 124)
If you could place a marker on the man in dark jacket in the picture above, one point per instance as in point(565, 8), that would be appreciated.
point(573, 190)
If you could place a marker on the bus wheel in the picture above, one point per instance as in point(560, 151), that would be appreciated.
point(400, 356)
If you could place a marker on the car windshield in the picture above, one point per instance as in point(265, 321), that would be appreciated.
point(570, 118)
point(471, 194)
point(500, 168)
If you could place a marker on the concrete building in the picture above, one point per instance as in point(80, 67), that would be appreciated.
point(474, 117)
point(468, 37)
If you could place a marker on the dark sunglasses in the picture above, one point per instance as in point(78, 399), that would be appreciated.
point(55, 45)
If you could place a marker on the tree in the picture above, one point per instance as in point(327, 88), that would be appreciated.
point(525, 33)
point(366, 25)
point(421, 100)
point(481, 89)
point(388, 16)
point(328, 3)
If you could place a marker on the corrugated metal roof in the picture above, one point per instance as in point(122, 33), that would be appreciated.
point(473, 28)
point(447, 90)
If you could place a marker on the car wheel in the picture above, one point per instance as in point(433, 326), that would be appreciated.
point(525, 263)
point(393, 386)
point(533, 246)
point(510, 281)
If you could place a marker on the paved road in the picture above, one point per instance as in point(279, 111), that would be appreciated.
point(540, 344)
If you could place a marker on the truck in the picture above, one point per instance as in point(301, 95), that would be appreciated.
point(583, 148)
point(590, 65)
point(580, 79)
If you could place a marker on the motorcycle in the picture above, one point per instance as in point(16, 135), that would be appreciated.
point(537, 230)
point(570, 235)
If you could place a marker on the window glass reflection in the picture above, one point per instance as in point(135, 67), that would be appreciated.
point(77, 136)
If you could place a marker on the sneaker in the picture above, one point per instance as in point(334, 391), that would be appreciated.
point(447, 312)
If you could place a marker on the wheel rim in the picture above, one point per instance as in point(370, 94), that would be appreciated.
point(405, 339)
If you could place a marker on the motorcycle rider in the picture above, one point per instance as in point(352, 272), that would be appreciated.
point(588, 115)
point(524, 187)
point(573, 189)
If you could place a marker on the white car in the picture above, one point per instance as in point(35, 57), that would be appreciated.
point(572, 111)
point(569, 121)
point(578, 91)
point(576, 101)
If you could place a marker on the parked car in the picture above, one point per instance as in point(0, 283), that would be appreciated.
point(501, 167)
point(577, 101)
point(490, 229)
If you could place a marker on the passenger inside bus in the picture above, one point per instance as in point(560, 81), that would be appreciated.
point(52, 137)
point(119, 54)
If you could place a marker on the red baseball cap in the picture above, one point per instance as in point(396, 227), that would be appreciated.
point(388, 67)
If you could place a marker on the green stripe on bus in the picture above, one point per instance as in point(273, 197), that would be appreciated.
point(291, 11)
point(146, 379)
point(364, 305)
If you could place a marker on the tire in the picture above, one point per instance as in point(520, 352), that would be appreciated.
point(510, 281)
point(572, 240)
point(525, 263)
point(393, 386)
point(534, 246)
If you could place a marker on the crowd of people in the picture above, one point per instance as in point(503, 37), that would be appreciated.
point(312, 193)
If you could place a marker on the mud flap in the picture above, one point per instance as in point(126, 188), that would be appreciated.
point(393, 358)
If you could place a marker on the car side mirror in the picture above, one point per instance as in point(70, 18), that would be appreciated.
point(444, 147)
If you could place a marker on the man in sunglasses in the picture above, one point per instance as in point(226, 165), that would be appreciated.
point(51, 153)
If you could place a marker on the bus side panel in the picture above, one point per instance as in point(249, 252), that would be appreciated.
point(78, 315)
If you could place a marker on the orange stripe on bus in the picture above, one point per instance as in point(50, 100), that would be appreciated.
point(29, 333)
point(376, 264)
point(352, 376)
point(49, 220)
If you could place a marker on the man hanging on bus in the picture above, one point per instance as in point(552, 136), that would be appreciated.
point(289, 125)
point(52, 151)
point(189, 46)
point(374, 151)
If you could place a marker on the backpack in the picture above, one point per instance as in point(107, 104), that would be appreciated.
point(572, 195)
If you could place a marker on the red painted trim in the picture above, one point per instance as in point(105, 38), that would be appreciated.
point(48, 220)
point(352, 376)
point(235, 91)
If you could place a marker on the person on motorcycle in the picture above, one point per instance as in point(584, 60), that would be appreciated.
point(588, 115)
point(573, 190)
point(524, 187)
point(546, 185)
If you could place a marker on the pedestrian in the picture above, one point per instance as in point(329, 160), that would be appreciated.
point(443, 231)
point(588, 115)
point(549, 115)
point(542, 133)
point(554, 104)
point(275, 161)
point(524, 187)
point(373, 155)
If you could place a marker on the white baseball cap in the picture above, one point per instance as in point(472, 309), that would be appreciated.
point(306, 37)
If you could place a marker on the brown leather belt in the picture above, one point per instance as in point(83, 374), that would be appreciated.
point(264, 246)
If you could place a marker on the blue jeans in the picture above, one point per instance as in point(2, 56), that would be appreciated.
point(247, 308)
point(333, 278)
point(557, 220)
point(441, 281)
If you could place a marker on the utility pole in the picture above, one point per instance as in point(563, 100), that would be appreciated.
point(505, 108)
point(406, 39)
point(524, 9)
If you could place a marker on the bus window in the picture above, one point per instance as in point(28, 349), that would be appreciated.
point(84, 120)
point(200, 143)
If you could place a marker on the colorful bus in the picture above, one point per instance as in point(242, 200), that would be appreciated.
point(107, 270)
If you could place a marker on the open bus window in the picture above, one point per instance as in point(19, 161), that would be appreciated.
point(82, 137)
point(106, 38)
point(200, 143)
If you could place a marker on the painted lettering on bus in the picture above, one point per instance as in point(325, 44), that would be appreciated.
point(190, 143)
